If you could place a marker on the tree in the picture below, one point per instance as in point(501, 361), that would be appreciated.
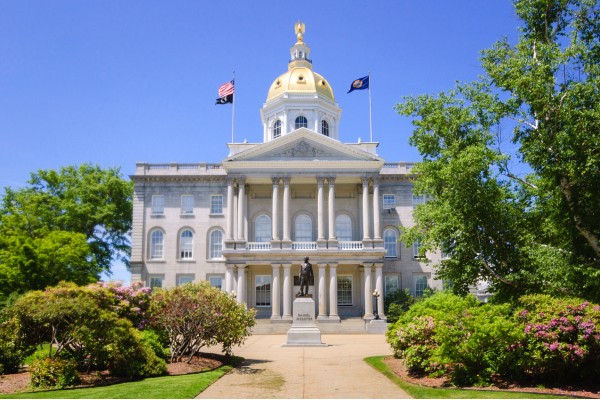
point(523, 233)
point(65, 225)
point(198, 315)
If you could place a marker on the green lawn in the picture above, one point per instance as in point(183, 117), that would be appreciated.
point(163, 387)
point(424, 392)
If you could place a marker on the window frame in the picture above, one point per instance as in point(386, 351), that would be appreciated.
point(385, 243)
point(190, 245)
point(269, 227)
point(262, 298)
point(185, 208)
point(416, 279)
point(325, 128)
point(212, 246)
point(216, 208)
point(300, 122)
point(277, 129)
point(158, 204)
point(308, 218)
point(153, 249)
point(386, 279)
point(156, 277)
point(179, 277)
point(388, 205)
point(339, 290)
point(346, 225)
point(215, 276)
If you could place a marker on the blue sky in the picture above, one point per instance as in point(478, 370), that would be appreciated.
point(115, 82)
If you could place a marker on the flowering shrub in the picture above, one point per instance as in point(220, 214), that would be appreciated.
point(53, 373)
point(131, 302)
point(13, 348)
point(562, 336)
point(547, 338)
point(198, 315)
point(80, 325)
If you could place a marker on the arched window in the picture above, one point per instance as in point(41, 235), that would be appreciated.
point(343, 228)
point(216, 244)
point(186, 244)
point(262, 228)
point(324, 128)
point(390, 243)
point(277, 129)
point(157, 245)
point(303, 228)
point(301, 122)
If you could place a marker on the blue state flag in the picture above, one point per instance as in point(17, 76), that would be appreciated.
point(360, 84)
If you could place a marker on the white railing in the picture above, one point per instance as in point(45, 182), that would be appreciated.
point(304, 245)
point(258, 246)
point(350, 245)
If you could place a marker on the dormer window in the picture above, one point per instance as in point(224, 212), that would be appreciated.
point(324, 128)
point(301, 122)
point(277, 129)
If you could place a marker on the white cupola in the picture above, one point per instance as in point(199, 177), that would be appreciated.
point(300, 98)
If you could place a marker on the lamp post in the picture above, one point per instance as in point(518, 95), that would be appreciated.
point(376, 294)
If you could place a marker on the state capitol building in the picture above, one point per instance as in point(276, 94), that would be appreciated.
point(246, 224)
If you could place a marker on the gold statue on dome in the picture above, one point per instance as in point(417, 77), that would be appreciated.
point(299, 29)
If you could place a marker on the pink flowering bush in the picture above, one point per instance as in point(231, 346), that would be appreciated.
point(131, 302)
point(562, 337)
point(193, 316)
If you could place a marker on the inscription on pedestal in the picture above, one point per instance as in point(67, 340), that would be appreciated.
point(304, 330)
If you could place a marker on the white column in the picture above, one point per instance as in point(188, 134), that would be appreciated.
point(275, 311)
point(241, 207)
point(287, 292)
point(228, 278)
point(365, 204)
point(368, 294)
point(230, 210)
point(275, 209)
point(331, 182)
point(376, 213)
point(379, 287)
point(286, 209)
point(322, 294)
point(241, 285)
point(320, 211)
point(333, 300)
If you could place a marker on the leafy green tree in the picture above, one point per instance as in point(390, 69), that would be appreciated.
point(197, 315)
point(523, 233)
point(65, 225)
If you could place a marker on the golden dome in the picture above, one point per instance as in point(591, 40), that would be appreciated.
point(301, 80)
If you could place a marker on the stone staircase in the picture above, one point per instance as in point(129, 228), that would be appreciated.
point(345, 326)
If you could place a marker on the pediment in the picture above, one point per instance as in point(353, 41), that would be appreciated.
point(303, 145)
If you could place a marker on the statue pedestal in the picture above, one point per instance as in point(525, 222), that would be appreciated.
point(304, 331)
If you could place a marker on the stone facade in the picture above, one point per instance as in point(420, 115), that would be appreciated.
point(247, 223)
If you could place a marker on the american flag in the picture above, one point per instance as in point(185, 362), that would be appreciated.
point(226, 89)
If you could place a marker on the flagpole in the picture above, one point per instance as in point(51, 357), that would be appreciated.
point(233, 108)
point(370, 110)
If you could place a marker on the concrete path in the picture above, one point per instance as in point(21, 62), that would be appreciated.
point(336, 371)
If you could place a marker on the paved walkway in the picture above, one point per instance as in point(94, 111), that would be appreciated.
point(271, 371)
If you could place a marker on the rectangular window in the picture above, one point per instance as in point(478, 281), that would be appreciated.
point(156, 281)
point(184, 278)
point(389, 201)
point(158, 205)
point(216, 204)
point(215, 281)
point(263, 290)
point(187, 204)
point(420, 285)
point(416, 248)
point(416, 200)
point(392, 284)
point(344, 290)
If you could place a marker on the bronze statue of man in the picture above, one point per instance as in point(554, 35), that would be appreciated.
point(306, 275)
